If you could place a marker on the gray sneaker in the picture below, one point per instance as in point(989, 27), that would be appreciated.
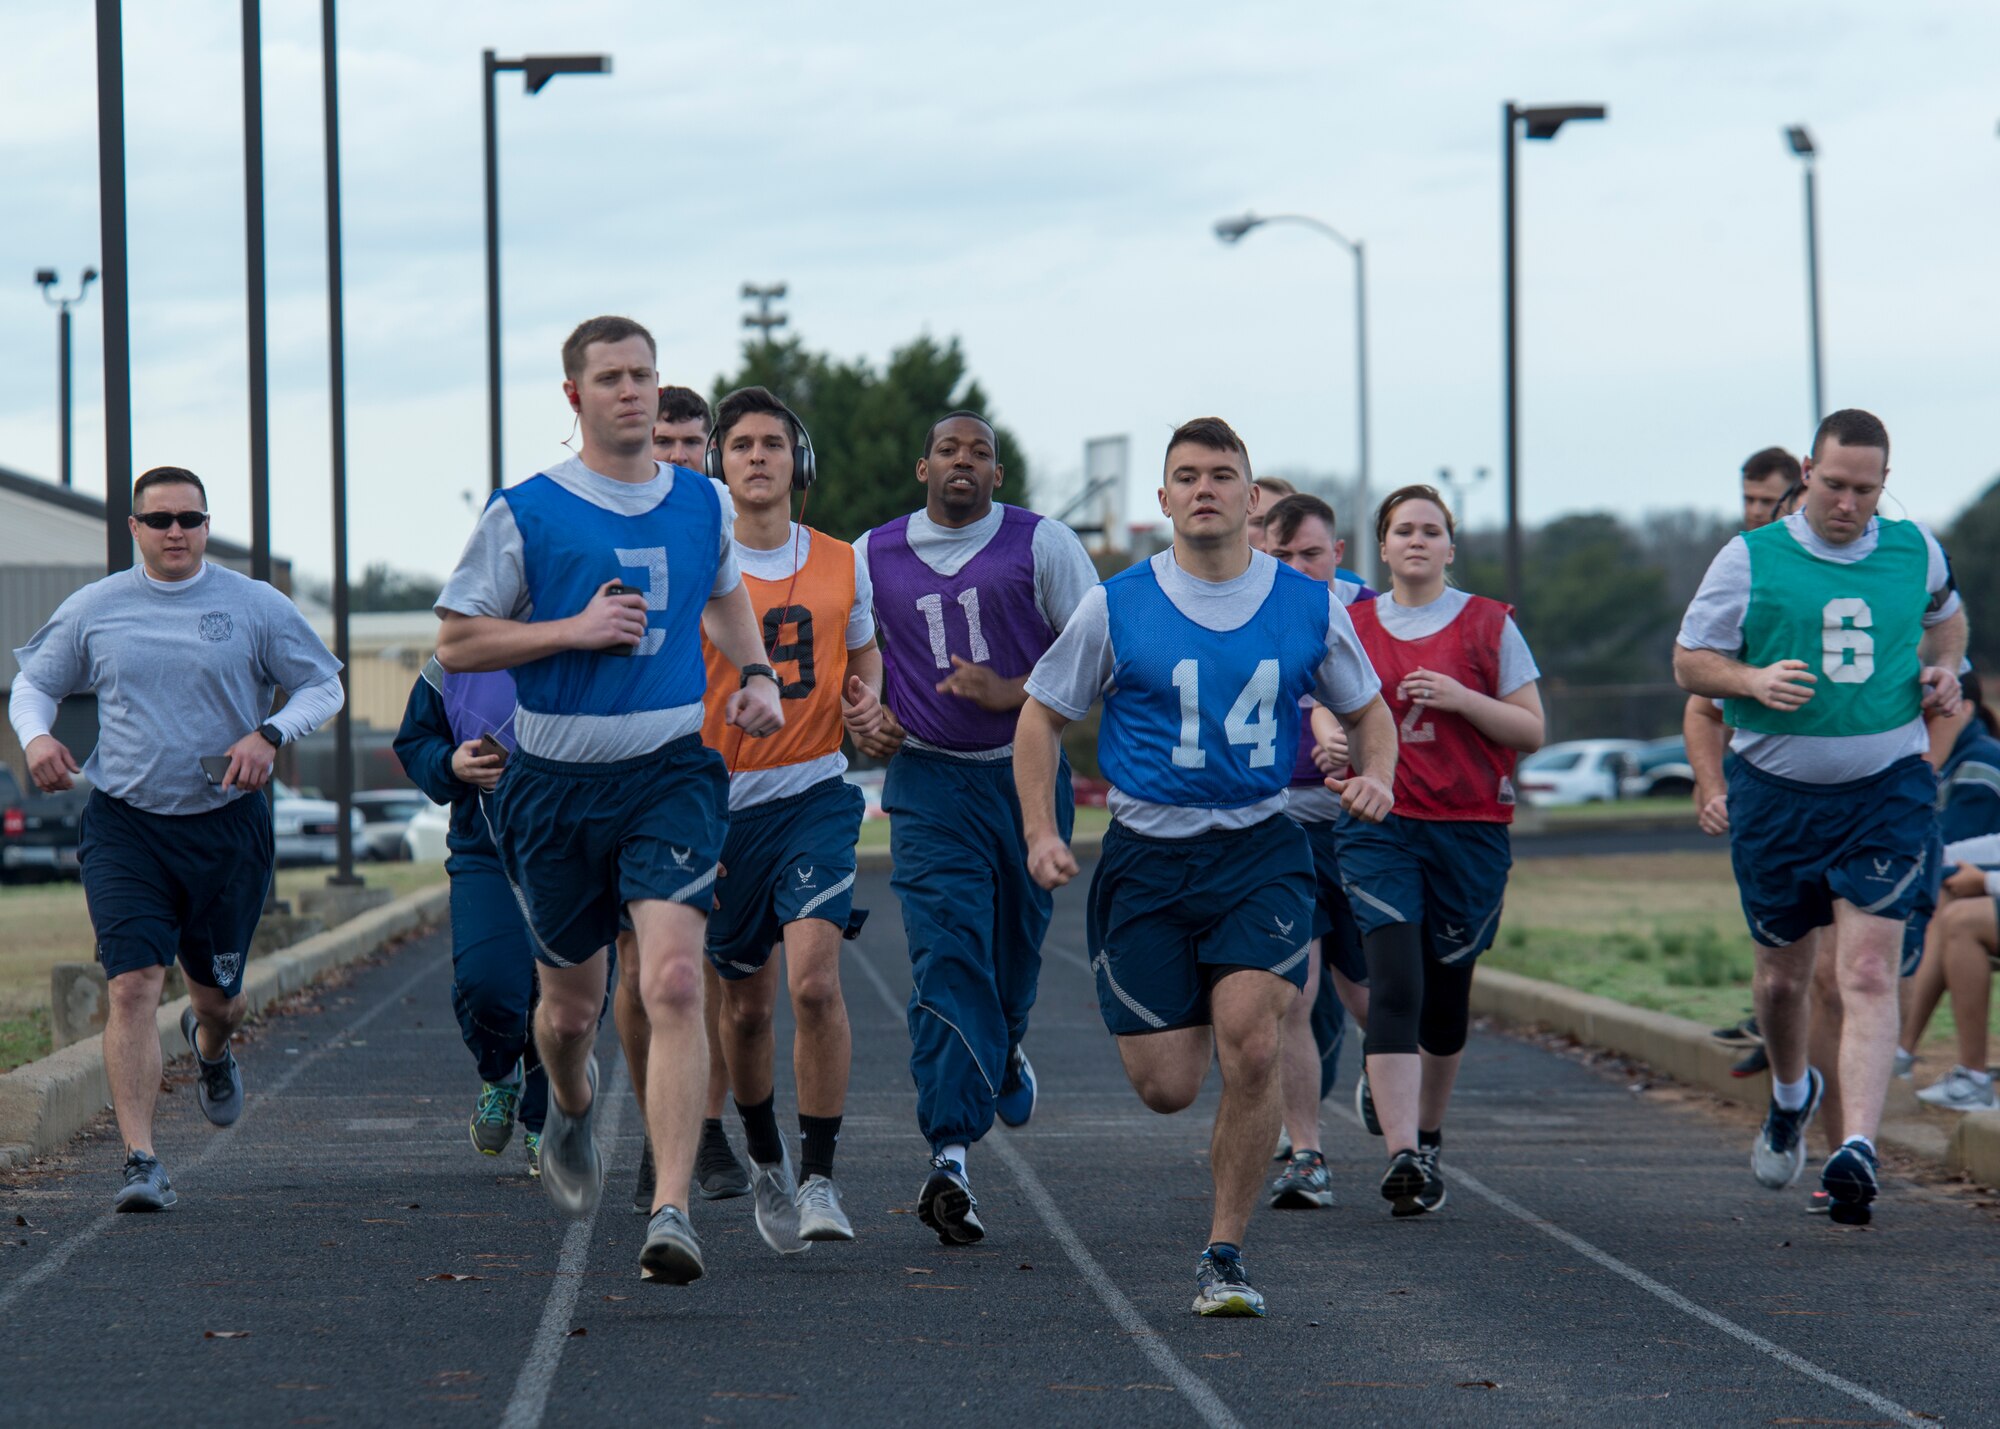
point(1906, 1065)
point(776, 1194)
point(572, 1168)
point(672, 1252)
point(218, 1086)
point(146, 1185)
point(821, 1216)
point(1779, 1153)
point(1960, 1090)
point(493, 1118)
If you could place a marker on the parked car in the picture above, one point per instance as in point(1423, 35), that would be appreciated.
point(1577, 771)
point(38, 832)
point(384, 814)
point(424, 834)
point(869, 782)
point(1661, 769)
point(307, 829)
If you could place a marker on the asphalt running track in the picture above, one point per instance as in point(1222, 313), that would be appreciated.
point(1605, 1259)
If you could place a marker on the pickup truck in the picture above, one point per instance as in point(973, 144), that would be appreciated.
point(38, 832)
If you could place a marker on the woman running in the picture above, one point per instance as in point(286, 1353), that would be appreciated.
point(1427, 883)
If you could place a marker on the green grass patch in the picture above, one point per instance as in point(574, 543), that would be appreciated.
point(24, 1036)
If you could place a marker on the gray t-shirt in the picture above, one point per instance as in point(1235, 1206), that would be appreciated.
point(1077, 671)
point(1714, 621)
point(1063, 573)
point(491, 580)
point(181, 669)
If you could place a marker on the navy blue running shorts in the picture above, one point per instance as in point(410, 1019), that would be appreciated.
point(784, 860)
point(1333, 916)
point(1448, 877)
point(162, 887)
point(579, 841)
point(1168, 917)
point(1796, 847)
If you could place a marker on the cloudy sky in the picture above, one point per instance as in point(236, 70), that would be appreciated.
point(1040, 182)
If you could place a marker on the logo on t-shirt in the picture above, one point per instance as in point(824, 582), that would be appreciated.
point(217, 626)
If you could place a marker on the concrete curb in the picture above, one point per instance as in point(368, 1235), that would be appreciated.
point(46, 1102)
point(1683, 1050)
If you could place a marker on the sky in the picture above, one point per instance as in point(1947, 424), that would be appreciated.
point(1042, 186)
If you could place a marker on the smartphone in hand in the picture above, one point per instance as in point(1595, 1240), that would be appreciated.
point(620, 588)
point(491, 748)
point(215, 768)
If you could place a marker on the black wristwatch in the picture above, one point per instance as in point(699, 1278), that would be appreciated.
point(750, 672)
point(270, 732)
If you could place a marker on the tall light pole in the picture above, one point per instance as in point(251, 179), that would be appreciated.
point(764, 320)
point(46, 277)
point(536, 71)
point(117, 317)
point(253, 283)
point(1801, 144)
point(343, 733)
point(1231, 230)
point(1540, 122)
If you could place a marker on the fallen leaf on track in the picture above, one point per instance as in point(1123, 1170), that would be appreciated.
point(225, 1334)
point(1477, 1384)
point(453, 1275)
point(617, 1297)
point(917, 1270)
point(24, 1221)
point(1220, 1355)
point(573, 1334)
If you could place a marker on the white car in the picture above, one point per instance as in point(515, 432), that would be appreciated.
point(306, 830)
point(1577, 771)
point(424, 834)
point(869, 782)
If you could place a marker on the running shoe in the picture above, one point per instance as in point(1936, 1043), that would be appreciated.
point(1849, 1181)
point(1819, 1204)
point(672, 1252)
point(1433, 1196)
point(947, 1205)
point(1751, 1063)
point(218, 1086)
point(1284, 1151)
point(1906, 1064)
point(1739, 1034)
point(1779, 1153)
point(1303, 1185)
point(1403, 1183)
point(572, 1167)
point(493, 1118)
point(1016, 1102)
point(1364, 1104)
point(821, 1216)
point(531, 1142)
point(777, 1192)
point(1960, 1090)
point(642, 1193)
point(146, 1185)
point(1222, 1286)
point(718, 1174)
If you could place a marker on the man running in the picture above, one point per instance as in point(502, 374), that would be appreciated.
point(969, 593)
point(788, 863)
point(611, 800)
point(1201, 907)
point(184, 658)
point(1829, 633)
point(680, 439)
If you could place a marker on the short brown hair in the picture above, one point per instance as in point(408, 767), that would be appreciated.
point(1213, 433)
point(1852, 427)
point(1283, 519)
point(605, 329)
point(167, 476)
point(683, 404)
point(1275, 486)
point(1414, 492)
point(1770, 462)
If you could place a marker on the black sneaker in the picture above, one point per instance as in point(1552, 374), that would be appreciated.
point(947, 1205)
point(146, 1186)
point(1222, 1286)
point(1403, 1183)
point(1849, 1181)
point(1432, 1197)
point(1739, 1034)
point(1364, 1104)
point(1751, 1063)
point(1303, 1185)
point(718, 1175)
point(642, 1192)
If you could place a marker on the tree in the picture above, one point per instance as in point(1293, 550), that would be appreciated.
point(867, 427)
point(1972, 542)
point(381, 587)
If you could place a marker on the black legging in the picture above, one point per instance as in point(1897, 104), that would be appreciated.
point(1414, 1002)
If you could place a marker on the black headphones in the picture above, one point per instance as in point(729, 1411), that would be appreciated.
point(804, 466)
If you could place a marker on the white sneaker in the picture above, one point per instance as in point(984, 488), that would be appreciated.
point(821, 1216)
point(775, 1194)
point(1906, 1064)
point(1960, 1090)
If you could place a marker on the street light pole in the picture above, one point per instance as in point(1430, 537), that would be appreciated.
point(117, 318)
point(1802, 145)
point(1232, 230)
point(1539, 122)
point(343, 759)
point(253, 262)
point(536, 71)
point(47, 279)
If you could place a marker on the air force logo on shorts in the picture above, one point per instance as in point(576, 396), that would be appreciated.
point(217, 626)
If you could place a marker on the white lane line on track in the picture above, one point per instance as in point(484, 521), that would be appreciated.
point(60, 1257)
point(538, 1370)
point(1668, 1294)
point(1201, 1397)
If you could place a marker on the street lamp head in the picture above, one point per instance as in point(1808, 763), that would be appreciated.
point(1542, 121)
point(45, 277)
point(1801, 142)
point(1231, 230)
point(89, 277)
point(538, 70)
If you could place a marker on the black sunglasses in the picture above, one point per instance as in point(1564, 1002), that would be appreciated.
point(161, 520)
